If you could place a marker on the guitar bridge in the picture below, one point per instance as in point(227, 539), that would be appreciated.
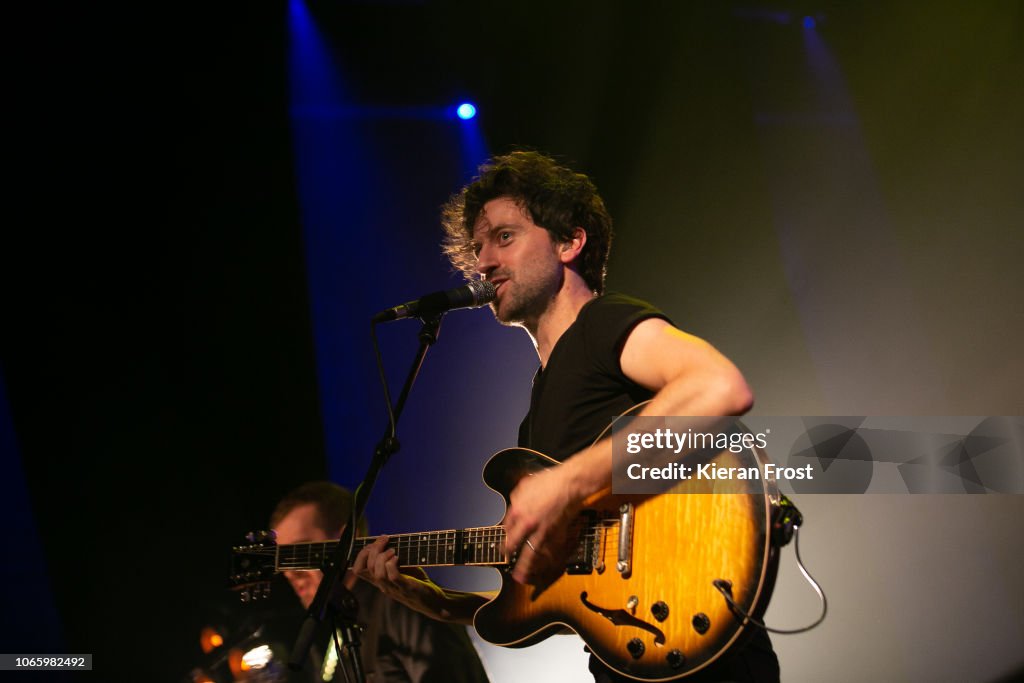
point(581, 560)
point(600, 547)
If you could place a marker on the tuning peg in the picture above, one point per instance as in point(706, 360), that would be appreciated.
point(245, 596)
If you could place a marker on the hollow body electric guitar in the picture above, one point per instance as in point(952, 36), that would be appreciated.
point(657, 587)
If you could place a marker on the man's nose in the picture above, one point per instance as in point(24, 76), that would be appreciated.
point(486, 261)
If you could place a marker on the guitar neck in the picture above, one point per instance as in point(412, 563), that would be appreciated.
point(482, 546)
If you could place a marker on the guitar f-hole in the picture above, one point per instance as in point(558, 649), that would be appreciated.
point(621, 617)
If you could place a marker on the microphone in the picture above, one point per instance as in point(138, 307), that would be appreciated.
point(476, 293)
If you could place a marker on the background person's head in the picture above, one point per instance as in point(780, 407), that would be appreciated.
point(315, 511)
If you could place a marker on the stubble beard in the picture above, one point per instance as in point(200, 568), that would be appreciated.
point(524, 301)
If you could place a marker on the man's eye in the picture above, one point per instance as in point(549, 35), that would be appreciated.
point(504, 235)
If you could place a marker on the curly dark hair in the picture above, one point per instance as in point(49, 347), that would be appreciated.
point(333, 506)
point(555, 197)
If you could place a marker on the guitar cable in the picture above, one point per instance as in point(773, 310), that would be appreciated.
point(786, 526)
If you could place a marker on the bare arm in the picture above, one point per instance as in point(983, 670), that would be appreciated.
point(378, 564)
point(688, 376)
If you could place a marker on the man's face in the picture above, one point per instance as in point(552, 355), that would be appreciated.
point(520, 258)
point(299, 526)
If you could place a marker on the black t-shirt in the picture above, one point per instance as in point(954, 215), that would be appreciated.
point(582, 388)
point(575, 397)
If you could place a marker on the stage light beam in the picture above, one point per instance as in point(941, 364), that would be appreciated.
point(466, 111)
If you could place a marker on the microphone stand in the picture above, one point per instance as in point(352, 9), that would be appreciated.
point(335, 567)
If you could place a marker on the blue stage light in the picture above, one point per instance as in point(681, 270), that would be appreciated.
point(466, 111)
point(808, 22)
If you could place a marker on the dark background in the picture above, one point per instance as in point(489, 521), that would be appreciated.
point(166, 360)
point(157, 354)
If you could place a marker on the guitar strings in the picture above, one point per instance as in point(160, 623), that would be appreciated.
point(433, 548)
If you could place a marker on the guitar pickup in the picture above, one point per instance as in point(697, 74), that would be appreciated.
point(624, 563)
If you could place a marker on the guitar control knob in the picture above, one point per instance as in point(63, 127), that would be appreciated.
point(675, 659)
point(701, 623)
point(660, 610)
point(636, 648)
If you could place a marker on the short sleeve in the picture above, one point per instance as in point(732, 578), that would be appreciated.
point(607, 324)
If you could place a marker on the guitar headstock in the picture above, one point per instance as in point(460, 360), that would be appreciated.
point(253, 564)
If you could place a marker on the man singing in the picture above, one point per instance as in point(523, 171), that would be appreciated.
point(541, 234)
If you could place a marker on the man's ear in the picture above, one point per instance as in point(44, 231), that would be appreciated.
point(570, 249)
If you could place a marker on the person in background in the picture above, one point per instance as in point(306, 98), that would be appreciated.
point(399, 645)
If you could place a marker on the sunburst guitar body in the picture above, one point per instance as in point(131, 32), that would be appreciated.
point(662, 616)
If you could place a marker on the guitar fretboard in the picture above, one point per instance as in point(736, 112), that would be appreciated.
point(478, 546)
